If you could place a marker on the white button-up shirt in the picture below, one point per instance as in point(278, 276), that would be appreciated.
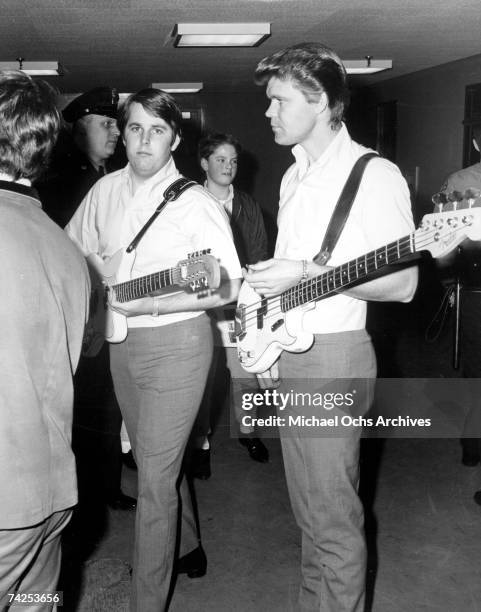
point(110, 217)
point(381, 213)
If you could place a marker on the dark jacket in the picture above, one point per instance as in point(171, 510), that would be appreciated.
point(247, 225)
point(70, 179)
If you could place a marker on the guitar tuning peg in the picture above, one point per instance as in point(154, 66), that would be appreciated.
point(471, 195)
point(455, 197)
point(439, 199)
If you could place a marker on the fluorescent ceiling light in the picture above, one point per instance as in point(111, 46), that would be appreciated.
point(220, 34)
point(366, 66)
point(33, 68)
point(178, 87)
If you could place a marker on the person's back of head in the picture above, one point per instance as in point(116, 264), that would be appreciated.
point(29, 125)
point(314, 69)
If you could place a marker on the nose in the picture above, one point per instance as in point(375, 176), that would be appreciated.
point(146, 136)
point(115, 130)
point(270, 110)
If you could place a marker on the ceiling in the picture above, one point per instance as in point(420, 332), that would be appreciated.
point(126, 43)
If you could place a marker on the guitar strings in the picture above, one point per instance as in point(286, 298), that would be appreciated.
point(134, 288)
point(275, 308)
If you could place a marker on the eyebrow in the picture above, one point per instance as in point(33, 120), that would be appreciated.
point(155, 125)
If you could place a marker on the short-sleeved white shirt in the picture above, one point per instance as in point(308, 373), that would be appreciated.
point(381, 213)
point(109, 218)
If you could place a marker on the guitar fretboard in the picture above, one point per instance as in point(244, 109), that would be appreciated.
point(145, 285)
point(346, 274)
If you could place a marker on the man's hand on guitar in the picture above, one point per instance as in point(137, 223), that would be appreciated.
point(273, 276)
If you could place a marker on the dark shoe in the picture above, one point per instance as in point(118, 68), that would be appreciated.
point(194, 564)
point(256, 449)
point(122, 502)
point(200, 464)
point(128, 460)
point(470, 456)
point(477, 497)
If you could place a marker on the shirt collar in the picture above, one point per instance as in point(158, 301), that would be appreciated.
point(20, 188)
point(224, 201)
point(333, 150)
point(161, 175)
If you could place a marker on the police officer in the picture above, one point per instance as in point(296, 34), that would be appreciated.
point(87, 157)
point(97, 418)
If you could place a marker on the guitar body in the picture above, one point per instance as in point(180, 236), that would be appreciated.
point(258, 347)
point(104, 323)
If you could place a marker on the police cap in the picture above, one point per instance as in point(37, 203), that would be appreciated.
point(97, 101)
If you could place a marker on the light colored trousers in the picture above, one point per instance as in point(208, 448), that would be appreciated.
point(159, 376)
point(30, 560)
point(322, 474)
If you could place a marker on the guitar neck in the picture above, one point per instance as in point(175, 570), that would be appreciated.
point(146, 285)
point(347, 274)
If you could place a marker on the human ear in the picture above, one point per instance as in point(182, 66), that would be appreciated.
point(175, 143)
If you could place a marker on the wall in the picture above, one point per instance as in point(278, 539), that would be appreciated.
point(430, 116)
point(264, 162)
point(429, 128)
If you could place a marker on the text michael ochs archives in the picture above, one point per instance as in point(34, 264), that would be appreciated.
point(327, 401)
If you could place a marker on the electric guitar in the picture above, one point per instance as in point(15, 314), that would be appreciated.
point(265, 327)
point(200, 272)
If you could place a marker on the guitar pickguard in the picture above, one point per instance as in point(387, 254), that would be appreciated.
point(265, 334)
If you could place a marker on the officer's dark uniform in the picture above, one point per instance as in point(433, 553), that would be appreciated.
point(97, 417)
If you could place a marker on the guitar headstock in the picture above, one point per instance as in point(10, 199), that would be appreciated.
point(199, 272)
point(458, 219)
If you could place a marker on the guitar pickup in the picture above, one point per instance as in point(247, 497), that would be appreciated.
point(239, 326)
point(277, 324)
point(261, 313)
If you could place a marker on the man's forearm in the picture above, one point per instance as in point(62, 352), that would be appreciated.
point(185, 302)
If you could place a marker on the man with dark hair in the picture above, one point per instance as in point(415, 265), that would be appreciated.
point(218, 157)
point(43, 315)
point(159, 371)
point(307, 91)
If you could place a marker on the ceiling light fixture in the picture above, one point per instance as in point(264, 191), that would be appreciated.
point(366, 66)
point(178, 87)
point(33, 68)
point(220, 34)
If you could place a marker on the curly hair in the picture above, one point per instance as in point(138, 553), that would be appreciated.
point(29, 124)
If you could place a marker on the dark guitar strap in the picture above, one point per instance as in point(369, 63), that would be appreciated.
point(341, 211)
point(172, 192)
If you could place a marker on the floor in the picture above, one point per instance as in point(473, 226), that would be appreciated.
point(423, 528)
